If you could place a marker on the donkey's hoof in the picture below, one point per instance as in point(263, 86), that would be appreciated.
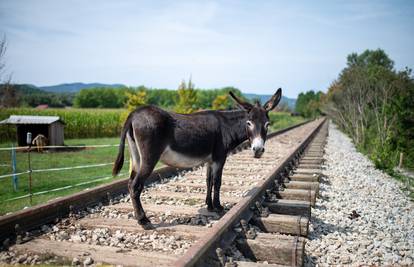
point(211, 209)
point(146, 224)
point(219, 209)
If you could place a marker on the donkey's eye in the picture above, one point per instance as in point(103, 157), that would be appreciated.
point(266, 125)
point(249, 124)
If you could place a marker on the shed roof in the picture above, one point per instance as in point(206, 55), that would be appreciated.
point(26, 119)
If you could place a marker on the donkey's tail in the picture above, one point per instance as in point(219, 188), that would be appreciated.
point(119, 162)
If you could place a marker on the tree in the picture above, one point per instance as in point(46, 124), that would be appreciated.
point(137, 99)
point(162, 97)
point(373, 103)
point(9, 97)
point(369, 59)
point(309, 104)
point(101, 97)
point(187, 98)
point(222, 102)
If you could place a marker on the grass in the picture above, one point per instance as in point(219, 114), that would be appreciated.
point(281, 120)
point(44, 181)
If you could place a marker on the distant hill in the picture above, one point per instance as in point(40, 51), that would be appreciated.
point(291, 102)
point(26, 89)
point(75, 87)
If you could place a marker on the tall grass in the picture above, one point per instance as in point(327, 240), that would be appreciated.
point(80, 123)
point(281, 120)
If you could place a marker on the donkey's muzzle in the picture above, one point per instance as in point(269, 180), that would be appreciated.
point(258, 147)
point(258, 152)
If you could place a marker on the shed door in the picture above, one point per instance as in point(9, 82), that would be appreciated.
point(35, 129)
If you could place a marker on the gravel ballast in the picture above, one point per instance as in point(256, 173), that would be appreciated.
point(361, 217)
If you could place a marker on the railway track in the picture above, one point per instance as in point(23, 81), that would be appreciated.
point(267, 208)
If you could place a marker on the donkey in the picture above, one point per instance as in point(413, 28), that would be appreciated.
point(40, 141)
point(188, 140)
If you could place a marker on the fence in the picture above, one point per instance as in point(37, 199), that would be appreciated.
point(29, 177)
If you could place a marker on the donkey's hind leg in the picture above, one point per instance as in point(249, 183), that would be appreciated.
point(209, 180)
point(136, 183)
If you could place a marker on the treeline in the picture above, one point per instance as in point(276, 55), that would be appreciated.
point(185, 100)
point(23, 95)
point(309, 104)
point(374, 104)
point(17, 95)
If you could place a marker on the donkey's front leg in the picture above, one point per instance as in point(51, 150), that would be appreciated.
point(217, 170)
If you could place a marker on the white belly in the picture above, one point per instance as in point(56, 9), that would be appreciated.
point(176, 159)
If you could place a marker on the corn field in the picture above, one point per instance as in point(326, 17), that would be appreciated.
point(80, 123)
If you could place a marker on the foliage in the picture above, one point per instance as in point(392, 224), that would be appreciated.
point(205, 98)
point(187, 98)
point(9, 96)
point(100, 98)
point(374, 104)
point(222, 102)
point(281, 120)
point(136, 99)
point(309, 104)
point(162, 97)
point(14, 95)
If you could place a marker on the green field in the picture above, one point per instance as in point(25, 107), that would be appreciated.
point(281, 120)
point(44, 181)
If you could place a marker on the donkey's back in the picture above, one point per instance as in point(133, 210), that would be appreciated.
point(179, 140)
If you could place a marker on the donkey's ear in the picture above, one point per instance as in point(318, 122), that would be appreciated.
point(273, 101)
point(244, 105)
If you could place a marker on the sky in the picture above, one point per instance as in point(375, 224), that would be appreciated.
point(256, 46)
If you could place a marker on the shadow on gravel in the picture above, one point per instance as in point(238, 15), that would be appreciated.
point(324, 198)
point(324, 180)
point(322, 228)
point(310, 261)
point(321, 207)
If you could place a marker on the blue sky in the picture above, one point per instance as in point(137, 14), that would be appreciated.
point(256, 46)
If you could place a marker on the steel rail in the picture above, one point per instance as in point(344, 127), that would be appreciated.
point(221, 235)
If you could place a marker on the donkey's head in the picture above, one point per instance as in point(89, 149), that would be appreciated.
point(258, 120)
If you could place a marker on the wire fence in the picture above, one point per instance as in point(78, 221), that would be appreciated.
point(48, 147)
point(53, 171)
point(65, 187)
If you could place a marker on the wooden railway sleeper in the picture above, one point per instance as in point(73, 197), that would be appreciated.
point(294, 251)
point(18, 232)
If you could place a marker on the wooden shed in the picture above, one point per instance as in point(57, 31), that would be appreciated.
point(50, 126)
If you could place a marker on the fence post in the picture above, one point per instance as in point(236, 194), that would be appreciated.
point(29, 142)
point(401, 160)
point(14, 167)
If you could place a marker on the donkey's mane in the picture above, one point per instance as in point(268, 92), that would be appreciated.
point(233, 129)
